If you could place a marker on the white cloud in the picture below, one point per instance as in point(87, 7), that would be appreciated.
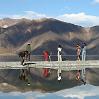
point(80, 19)
point(29, 15)
point(96, 1)
point(26, 14)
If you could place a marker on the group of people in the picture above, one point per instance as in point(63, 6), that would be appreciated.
point(46, 54)
point(80, 51)
point(47, 57)
point(81, 55)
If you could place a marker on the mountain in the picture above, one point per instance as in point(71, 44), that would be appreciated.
point(7, 22)
point(47, 34)
point(40, 33)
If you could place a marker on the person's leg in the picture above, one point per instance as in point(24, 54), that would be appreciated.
point(58, 57)
point(78, 57)
point(59, 74)
point(29, 57)
point(82, 56)
point(22, 60)
point(83, 77)
point(59, 77)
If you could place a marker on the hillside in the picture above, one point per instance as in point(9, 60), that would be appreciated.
point(47, 34)
point(44, 32)
point(7, 22)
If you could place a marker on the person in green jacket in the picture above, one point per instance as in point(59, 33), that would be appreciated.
point(28, 48)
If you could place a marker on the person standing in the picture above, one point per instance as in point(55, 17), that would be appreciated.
point(78, 50)
point(59, 59)
point(46, 58)
point(83, 59)
point(46, 55)
point(23, 55)
point(59, 53)
point(28, 48)
point(84, 52)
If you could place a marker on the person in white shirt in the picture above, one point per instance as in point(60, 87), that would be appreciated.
point(59, 53)
point(59, 59)
point(84, 52)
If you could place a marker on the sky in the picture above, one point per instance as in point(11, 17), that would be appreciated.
point(80, 12)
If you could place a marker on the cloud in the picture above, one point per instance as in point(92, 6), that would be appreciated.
point(29, 15)
point(96, 1)
point(26, 14)
point(80, 19)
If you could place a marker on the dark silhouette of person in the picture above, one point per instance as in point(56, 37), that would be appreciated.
point(23, 55)
point(28, 48)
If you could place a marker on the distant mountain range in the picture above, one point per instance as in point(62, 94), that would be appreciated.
point(46, 34)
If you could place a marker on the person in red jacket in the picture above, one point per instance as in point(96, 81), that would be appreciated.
point(46, 58)
point(46, 55)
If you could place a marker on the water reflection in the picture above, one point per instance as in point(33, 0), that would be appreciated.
point(78, 92)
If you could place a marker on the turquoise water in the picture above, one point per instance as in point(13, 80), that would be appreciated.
point(79, 92)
